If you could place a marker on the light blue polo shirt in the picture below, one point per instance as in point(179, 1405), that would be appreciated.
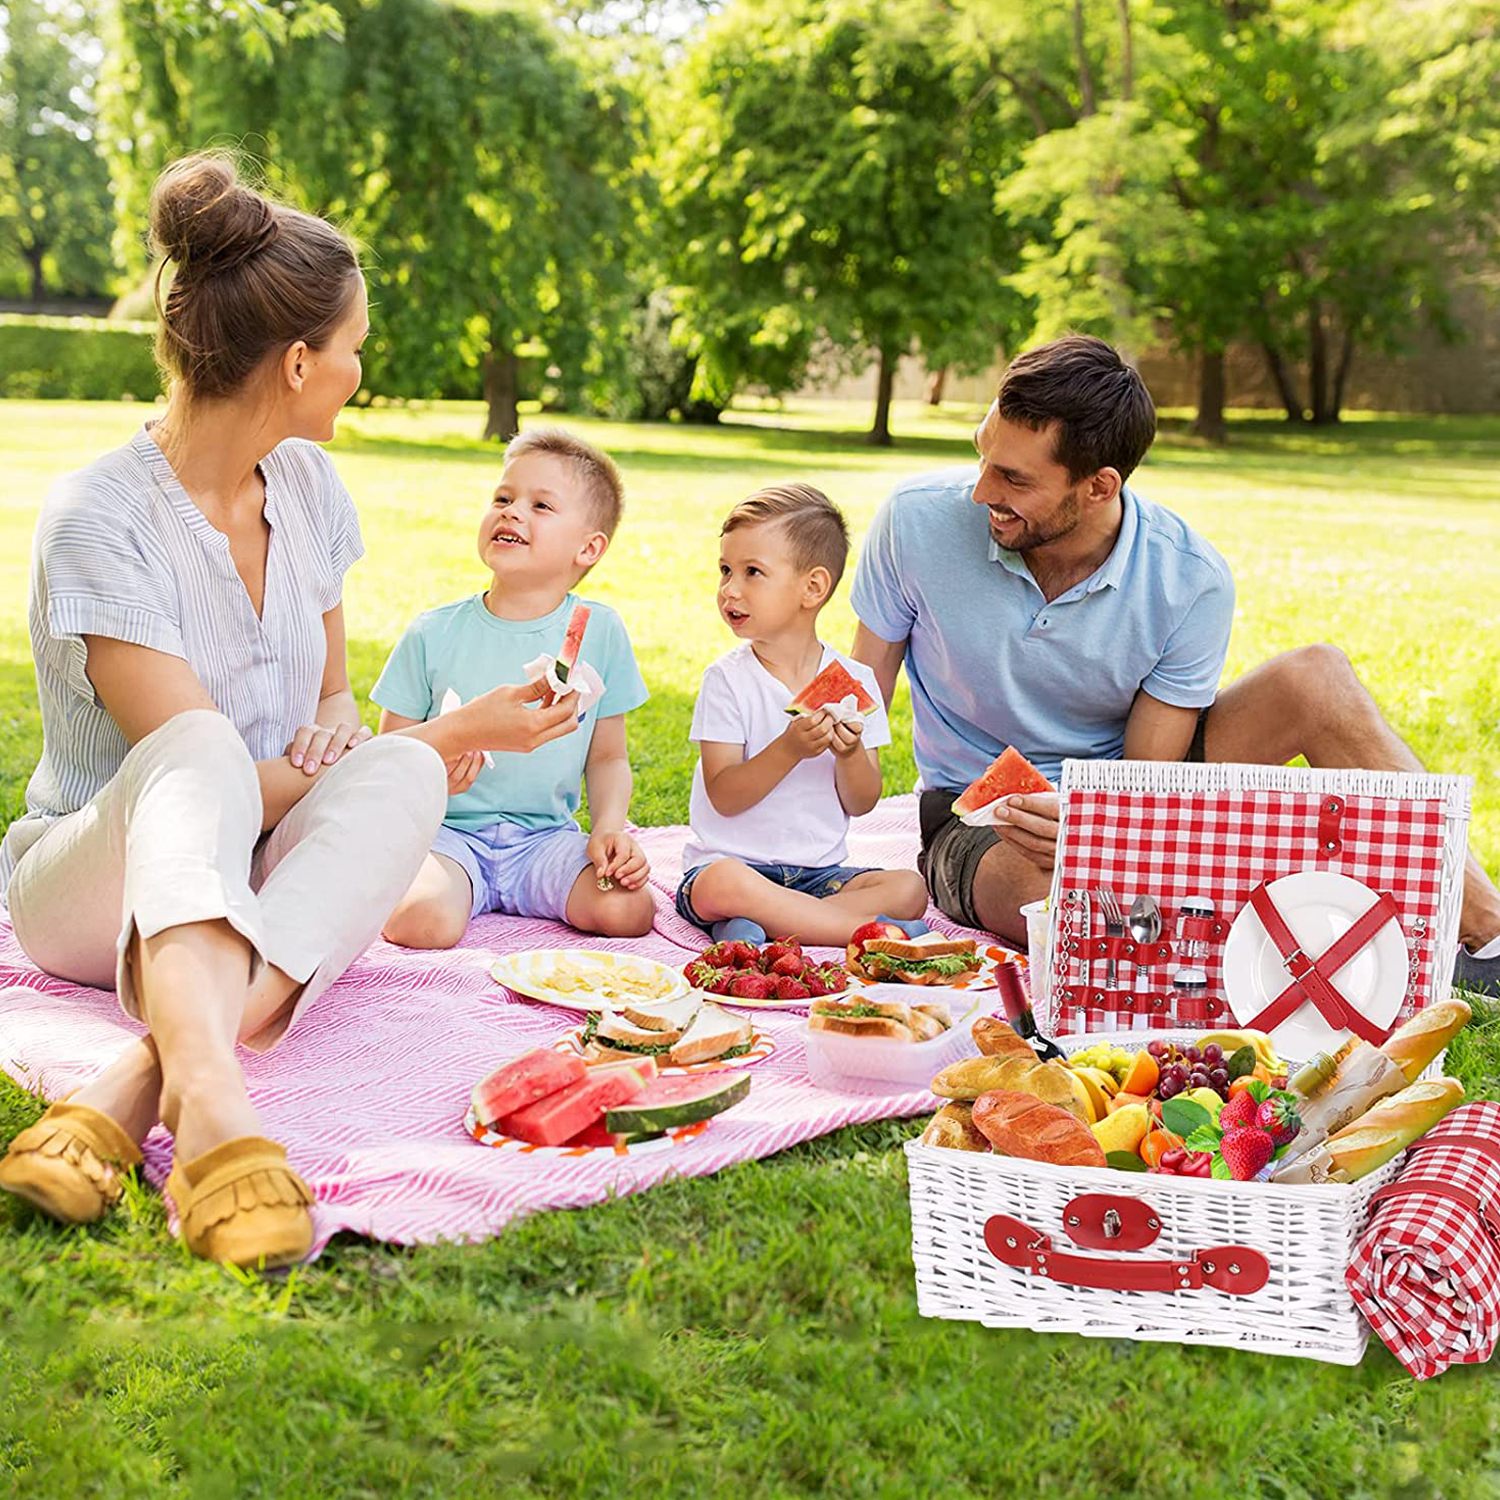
point(992, 663)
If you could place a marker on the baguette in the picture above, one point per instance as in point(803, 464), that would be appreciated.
point(1376, 1136)
point(1364, 1077)
point(1425, 1035)
point(953, 1126)
point(1051, 1082)
point(1020, 1125)
point(996, 1038)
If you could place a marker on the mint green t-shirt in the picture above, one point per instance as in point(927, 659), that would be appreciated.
point(464, 647)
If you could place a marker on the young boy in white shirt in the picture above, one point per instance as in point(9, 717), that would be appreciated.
point(772, 795)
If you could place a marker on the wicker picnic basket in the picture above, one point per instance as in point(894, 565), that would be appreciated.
point(1024, 1244)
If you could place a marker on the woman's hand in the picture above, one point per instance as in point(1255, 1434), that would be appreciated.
point(463, 771)
point(617, 857)
point(504, 718)
point(315, 745)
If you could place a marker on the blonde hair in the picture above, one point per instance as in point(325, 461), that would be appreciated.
point(813, 524)
point(602, 485)
point(253, 276)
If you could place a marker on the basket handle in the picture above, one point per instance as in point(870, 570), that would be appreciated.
point(1235, 1269)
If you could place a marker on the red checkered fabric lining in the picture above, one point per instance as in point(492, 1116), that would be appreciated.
point(1426, 1272)
point(1221, 845)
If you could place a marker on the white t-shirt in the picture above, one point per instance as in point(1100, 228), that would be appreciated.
point(800, 821)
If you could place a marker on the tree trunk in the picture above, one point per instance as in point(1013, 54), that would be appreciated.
point(1085, 73)
point(937, 383)
point(880, 433)
point(1341, 375)
point(501, 374)
point(1285, 387)
point(34, 255)
point(1127, 53)
point(1317, 366)
point(1209, 423)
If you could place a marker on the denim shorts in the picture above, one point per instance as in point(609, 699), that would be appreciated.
point(523, 872)
point(810, 880)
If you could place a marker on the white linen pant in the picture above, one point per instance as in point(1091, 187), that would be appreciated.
point(175, 837)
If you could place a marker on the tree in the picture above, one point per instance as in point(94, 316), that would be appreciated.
point(55, 205)
point(827, 175)
point(486, 168)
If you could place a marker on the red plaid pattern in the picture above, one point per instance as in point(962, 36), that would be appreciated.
point(1222, 845)
point(1425, 1272)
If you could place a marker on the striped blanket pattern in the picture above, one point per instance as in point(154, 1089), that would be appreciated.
point(369, 1091)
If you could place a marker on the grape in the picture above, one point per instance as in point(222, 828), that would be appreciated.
point(1213, 1053)
point(1219, 1078)
point(1169, 1088)
point(1199, 1079)
point(1178, 1074)
point(1156, 1048)
point(1191, 1053)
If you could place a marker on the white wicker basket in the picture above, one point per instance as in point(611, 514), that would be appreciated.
point(1197, 1229)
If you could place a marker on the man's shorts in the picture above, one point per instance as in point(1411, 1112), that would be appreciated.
point(951, 850)
point(810, 880)
point(523, 872)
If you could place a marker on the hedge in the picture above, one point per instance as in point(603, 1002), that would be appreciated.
point(78, 359)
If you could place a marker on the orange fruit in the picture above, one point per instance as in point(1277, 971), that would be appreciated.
point(1157, 1144)
point(1142, 1077)
point(1122, 1100)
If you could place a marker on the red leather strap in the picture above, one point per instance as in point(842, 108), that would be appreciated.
point(1312, 978)
point(1405, 1187)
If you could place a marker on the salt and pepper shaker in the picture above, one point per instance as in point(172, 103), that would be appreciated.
point(1191, 980)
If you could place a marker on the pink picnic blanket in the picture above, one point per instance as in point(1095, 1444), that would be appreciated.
point(368, 1092)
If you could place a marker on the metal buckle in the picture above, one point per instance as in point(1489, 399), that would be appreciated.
point(1289, 963)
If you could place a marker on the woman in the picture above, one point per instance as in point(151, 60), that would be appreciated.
point(210, 830)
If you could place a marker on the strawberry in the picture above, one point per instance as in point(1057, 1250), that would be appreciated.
point(718, 955)
point(773, 953)
point(834, 978)
point(788, 988)
point(699, 974)
point(1278, 1117)
point(789, 964)
point(743, 955)
point(723, 978)
point(815, 985)
point(1246, 1149)
point(1240, 1110)
point(749, 986)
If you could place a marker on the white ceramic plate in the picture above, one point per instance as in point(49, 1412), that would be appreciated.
point(601, 980)
point(1319, 907)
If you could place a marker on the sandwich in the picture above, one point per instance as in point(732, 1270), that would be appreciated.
point(865, 1016)
point(675, 1034)
point(714, 1035)
point(610, 1036)
point(929, 959)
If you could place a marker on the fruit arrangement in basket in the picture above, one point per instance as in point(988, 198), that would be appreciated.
point(778, 971)
point(1198, 1110)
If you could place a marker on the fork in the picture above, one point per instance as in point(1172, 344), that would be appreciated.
point(1114, 926)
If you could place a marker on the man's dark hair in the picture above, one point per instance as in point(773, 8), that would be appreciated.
point(1105, 415)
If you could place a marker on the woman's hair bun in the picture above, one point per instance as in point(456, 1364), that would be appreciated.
point(205, 219)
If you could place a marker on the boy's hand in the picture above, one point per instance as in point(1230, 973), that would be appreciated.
point(316, 745)
point(463, 771)
point(617, 857)
point(810, 734)
point(847, 738)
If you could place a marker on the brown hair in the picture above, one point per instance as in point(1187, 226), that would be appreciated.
point(603, 487)
point(1104, 412)
point(814, 525)
point(253, 276)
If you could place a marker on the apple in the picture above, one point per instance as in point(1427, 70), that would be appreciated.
point(861, 935)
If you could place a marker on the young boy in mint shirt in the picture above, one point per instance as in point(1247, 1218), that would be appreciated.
point(511, 841)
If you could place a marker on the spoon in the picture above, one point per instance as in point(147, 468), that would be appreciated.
point(1144, 922)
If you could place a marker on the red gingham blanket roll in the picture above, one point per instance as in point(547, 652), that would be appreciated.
point(1426, 1271)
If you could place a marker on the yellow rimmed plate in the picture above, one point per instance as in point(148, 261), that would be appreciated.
point(585, 979)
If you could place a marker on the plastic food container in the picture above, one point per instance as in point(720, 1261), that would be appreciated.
point(1037, 978)
point(878, 1065)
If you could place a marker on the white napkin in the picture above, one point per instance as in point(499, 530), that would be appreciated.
point(582, 679)
point(982, 817)
point(451, 700)
point(844, 711)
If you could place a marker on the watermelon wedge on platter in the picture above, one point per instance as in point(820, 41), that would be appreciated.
point(558, 1117)
point(668, 1103)
point(831, 686)
point(1009, 775)
point(532, 1076)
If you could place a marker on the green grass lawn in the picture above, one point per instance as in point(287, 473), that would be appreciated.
point(753, 1334)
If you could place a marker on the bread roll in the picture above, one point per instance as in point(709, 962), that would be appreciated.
point(995, 1038)
point(1050, 1081)
point(1414, 1045)
point(1373, 1139)
point(953, 1126)
point(1020, 1125)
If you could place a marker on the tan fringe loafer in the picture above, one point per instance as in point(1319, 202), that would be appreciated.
point(241, 1204)
point(68, 1164)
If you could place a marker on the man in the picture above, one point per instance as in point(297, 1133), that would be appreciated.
point(1042, 603)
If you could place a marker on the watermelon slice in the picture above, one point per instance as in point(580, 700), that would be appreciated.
point(558, 1117)
point(598, 1134)
point(670, 1103)
point(572, 641)
point(832, 685)
point(1010, 775)
point(530, 1077)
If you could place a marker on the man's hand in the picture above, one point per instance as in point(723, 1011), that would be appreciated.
point(463, 771)
point(1029, 825)
point(315, 745)
point(810, 734)
point(617, 857)
point(847, 738)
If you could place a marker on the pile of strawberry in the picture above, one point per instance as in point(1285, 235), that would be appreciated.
point(1253, 1128)
point(779, 971)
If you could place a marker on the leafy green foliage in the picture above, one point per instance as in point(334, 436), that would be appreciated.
point(82, 359)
